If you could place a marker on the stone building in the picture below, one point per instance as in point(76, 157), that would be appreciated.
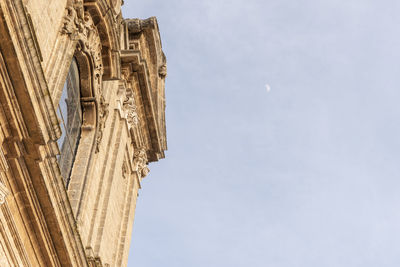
point(81, 115)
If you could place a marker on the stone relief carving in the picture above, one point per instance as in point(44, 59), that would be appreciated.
point(138, 25)
point(162, 70)
point(103, 115)
point(140, 162)
point(129, 108)
point(80, 27)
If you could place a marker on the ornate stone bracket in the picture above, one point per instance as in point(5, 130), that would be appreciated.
point(127, 104)
point(162, 69)
point(140, 162)
point(138, 25)
point(3, 161)
point(129, 107)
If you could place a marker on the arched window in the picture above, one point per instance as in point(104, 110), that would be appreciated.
point(70, 112)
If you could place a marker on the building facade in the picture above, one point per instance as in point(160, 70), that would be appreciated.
point(81, 115)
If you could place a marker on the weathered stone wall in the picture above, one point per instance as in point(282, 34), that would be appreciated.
point(122, 69)
point(109, 204)
point(46, 19)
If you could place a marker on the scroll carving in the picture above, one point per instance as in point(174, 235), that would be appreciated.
point(140, 162)
point(80, 27)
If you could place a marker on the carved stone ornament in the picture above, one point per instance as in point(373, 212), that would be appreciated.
point(124, 170)
point(129, 108)
point(138, 25)
point(140, 162)
point(80, 27)
point(145, 171)
point(3, 193)
point(103, 115)
point(162, 70)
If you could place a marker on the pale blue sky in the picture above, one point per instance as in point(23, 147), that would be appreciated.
point(306, 175)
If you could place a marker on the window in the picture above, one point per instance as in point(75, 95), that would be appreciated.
point(70, 113)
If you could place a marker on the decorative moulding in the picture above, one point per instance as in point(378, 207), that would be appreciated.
point(3, 193)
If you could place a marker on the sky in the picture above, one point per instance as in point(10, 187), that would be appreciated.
point(303, 175)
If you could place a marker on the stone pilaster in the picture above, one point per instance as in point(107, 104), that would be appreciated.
point(3, 193)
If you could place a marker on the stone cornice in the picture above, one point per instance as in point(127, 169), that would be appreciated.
point(146, 58)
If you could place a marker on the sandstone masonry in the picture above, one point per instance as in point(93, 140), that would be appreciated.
point(86, 221)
